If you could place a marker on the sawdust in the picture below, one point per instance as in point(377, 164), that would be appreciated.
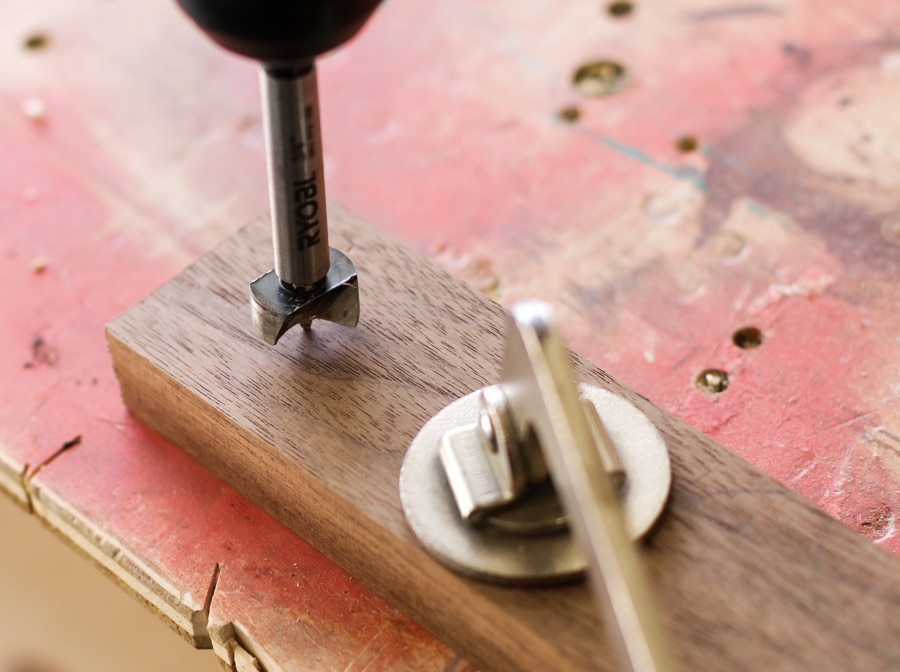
point(35, 109)
point(475, 270)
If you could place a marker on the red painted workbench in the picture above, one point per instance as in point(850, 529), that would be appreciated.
point(741, 188)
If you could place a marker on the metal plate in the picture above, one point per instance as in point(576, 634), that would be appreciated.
point(499, 557)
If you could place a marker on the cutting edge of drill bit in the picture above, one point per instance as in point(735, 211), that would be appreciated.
point(275, 309)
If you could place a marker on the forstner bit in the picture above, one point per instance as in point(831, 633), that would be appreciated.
point(310, 280)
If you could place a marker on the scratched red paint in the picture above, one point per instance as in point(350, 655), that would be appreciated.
point(441, 127)
point(125, 480)
point(503, 173)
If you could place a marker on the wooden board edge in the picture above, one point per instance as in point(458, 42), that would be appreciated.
point(185, 617)
point(12, 481)
point(521, 647)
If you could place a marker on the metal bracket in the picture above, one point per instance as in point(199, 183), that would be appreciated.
point(475, 485)
point(535, 480)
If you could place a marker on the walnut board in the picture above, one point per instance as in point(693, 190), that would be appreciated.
point(749, 575)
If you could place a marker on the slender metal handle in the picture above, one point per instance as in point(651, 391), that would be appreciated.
point(296, 175)
point(538, 381)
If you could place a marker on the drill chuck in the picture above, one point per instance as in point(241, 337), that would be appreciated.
point(280, 31)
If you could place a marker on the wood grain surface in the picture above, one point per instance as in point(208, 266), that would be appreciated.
point(750, 576)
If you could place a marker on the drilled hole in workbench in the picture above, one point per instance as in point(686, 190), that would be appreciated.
point(600, 78)
point(712, 381)
point(36, 41)
point(687, 144)
point(569, 114)
point(620, 8)
point(747, 338)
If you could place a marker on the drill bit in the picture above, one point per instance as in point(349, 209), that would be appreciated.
point(310, 280)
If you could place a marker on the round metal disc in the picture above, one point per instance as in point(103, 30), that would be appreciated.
point(494, 555)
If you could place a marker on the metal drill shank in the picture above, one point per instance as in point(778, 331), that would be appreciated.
point(296, 175)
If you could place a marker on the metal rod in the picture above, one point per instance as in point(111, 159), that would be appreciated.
point(296, 175)
point(614, 569)
point(541, 390)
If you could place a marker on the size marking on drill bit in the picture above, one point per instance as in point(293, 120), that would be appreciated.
point(310, 115)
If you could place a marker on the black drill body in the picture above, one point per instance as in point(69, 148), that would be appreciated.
point(280, 31)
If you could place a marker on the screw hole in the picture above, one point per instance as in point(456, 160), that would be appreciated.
point(687, 144)
point(569, 114)
point(620, 8)
point(712, 381)
point(600, 78)
point(747, 338)
point(36, 42)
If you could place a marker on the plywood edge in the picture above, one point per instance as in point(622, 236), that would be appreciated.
point(11, 479)
point(184, 613)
